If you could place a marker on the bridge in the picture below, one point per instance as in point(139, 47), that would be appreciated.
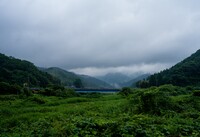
point(96, 90)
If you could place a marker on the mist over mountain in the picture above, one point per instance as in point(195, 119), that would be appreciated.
point(69, 78)
point(91, 82)
point(119, 80)
point(114, 79)
point(132, 82)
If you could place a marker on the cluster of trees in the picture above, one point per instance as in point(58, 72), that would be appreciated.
point(16, 71)
point(50, 90)
point(184, 73)
point(157, 100)
point(6, 88)
point(59, 91)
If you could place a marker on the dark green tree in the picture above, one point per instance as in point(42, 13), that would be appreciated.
point(78, 83)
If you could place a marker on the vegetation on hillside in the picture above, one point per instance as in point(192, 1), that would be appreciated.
point(67, 78)
point(157, 111)
point(91, 82)
point(185, 73)
point(15, 71)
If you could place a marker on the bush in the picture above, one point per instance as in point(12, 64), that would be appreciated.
point(6, 88)
point(48, 92)
point(8, 97)
point(56, 87)
point(93, 95)
point(151, 101)
point(196, 93)
point(38, 99)
point(173, 90)
point(59, 92)
point(70, 93)
point(125, 91)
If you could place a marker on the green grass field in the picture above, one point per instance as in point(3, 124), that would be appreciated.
point(100, 115)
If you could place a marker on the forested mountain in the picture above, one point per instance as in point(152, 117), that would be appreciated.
point(16, 71)
point(91, 82)
point(67, 78)
point(185, 73)
point(72, 79)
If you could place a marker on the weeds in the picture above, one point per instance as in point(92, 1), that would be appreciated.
point(163, 111)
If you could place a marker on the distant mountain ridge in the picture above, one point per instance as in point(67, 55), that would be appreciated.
point(68, 78)
point(91, 82)
point(119, 80)
point(184, 73)
point(115, 79)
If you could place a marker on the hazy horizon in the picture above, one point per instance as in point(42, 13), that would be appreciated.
point(100, 37)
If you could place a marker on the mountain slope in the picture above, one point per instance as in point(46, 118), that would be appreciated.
point(91, 82)
point(69, 78)
point(185, 73)
point(16, 71)
point(132, 83)
point(115, 79)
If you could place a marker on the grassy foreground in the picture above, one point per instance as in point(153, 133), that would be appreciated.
point(139, 113)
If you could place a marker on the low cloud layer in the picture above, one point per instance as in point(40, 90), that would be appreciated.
point(98, 37)
point(128, 70)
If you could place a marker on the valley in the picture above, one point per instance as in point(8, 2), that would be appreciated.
point(54, 102)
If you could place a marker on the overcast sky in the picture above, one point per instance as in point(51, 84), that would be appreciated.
point(96, 37)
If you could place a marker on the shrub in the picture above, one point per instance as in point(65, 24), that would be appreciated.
point(93, 95)
point(56, 87)
point(48, 92)
point(71, 93)
point(151, 101)
point(173, 90)
point(196, 93)
point(59, 92)
point(6, 88)
point(38, 99)
point(8, 97)
point(125, 91)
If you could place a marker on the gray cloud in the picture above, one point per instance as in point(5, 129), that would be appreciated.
point(91, 37)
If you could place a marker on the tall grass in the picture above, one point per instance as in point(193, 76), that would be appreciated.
point(104, 114)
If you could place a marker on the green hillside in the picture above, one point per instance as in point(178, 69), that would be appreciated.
point(70, 79)
point(185, 73)
point(16, 71)
point(67, 78)
point(91, 82)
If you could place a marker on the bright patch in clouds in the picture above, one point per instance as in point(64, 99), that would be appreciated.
point(142, 68)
